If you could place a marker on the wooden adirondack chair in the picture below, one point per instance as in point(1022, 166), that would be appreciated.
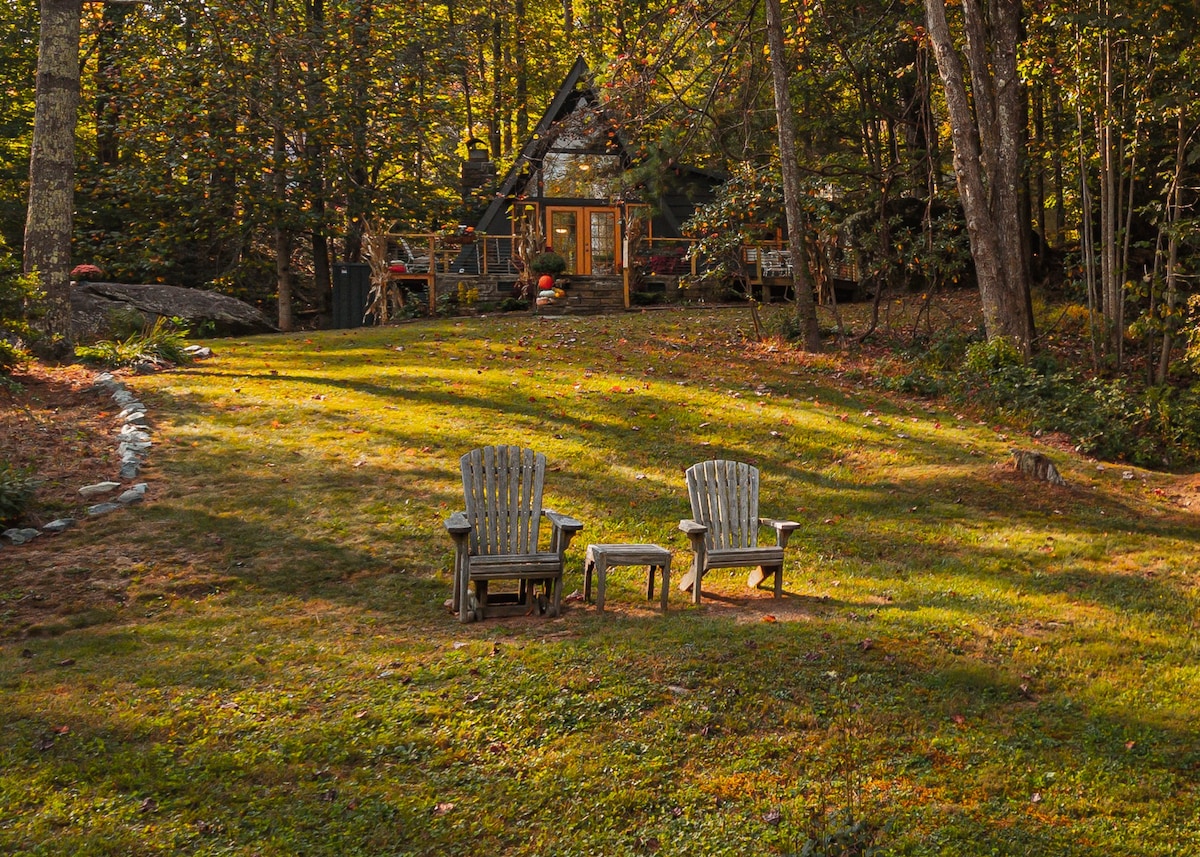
point(724, 532)
point(496, 538)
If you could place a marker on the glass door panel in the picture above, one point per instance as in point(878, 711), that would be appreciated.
point(564, 237)
point(602, 244)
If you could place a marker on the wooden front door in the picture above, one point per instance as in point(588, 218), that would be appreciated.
point(586, 238)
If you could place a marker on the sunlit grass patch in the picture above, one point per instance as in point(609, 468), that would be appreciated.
point(971, 662)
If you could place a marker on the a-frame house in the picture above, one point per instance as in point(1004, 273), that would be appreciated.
point(567, 192)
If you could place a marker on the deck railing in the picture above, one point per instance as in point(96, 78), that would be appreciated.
point(425, 255)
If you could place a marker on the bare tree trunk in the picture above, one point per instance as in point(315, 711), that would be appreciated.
point(279, 177)
point(806, 309)
point(360, 176)
point(1087, 243)
point(1173, 215)
point(50, 214)
point(988, 135)
point(1107, 142)
point(522, 61)
point(282, 233)
point(315, 149)
point(108, 80)
point(497, 82)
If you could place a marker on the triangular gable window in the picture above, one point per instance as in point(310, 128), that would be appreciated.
point(582, 161)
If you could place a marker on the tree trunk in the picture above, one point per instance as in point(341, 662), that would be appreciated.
point(497, 82)
point(806, 310)
point(108, 83)
point(50, 213)
point(1173, 216)
point(988, 136)
point(314, 145)
point(522, 63)
point(358, 200)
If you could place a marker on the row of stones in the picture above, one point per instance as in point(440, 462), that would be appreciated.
point(134, 444)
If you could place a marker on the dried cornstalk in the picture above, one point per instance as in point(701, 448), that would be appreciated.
point(385, 299)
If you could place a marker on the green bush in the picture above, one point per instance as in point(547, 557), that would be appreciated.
point(162, 342)
point(19, 295)
point(548, 263)
point(125, 322)
point(513, 305)
point(16, 490)
point(1109, 418)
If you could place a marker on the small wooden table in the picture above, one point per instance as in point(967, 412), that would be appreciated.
point(600, 557)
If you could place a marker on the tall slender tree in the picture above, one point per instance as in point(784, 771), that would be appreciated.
point(988, 134)
point(785, 119)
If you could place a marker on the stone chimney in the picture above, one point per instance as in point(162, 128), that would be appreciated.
point(478, 172)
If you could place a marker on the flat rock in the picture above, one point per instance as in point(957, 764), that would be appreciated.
point(19, 536)
point(90, 491)
point(131, 434)
point(93, 303)
point(133, 494)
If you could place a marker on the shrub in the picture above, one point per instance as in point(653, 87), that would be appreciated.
point(162, 342)
point(548, 263)
point(86, 273)
point(16, 490)
point(1111, 419)
point(19, 294)
point(513, 305)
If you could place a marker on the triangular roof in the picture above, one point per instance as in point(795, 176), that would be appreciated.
point(568, 95)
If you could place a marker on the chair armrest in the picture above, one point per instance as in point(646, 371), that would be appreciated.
point(783, 529)
point(692, 528)
point(562, 529)
point(457, 524)
point(562, 522)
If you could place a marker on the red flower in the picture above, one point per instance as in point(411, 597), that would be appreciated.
point(86, 272)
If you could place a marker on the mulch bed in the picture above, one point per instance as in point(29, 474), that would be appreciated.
point(53, 424)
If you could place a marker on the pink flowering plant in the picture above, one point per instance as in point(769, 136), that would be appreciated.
point(86, 272)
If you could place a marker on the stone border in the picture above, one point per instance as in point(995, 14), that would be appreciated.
point(134, 443)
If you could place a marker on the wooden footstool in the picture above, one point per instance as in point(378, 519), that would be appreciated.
point(600, 557)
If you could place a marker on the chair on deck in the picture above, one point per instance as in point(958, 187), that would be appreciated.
point(724, 529)
point(776, 263)
point(496, 537)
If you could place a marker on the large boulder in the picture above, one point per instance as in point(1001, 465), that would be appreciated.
point(94, 305)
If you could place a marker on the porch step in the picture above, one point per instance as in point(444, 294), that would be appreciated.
point(588, 296)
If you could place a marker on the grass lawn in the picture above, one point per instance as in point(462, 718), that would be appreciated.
point(965, 662)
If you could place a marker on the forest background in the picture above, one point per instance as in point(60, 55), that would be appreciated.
point(244, 146)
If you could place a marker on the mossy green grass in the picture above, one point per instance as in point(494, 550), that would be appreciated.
point(969, 662)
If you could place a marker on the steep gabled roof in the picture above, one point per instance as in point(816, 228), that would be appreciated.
point(540, 140)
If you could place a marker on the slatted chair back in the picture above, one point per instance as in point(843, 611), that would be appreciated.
point(503, 490)
point(724, 497)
